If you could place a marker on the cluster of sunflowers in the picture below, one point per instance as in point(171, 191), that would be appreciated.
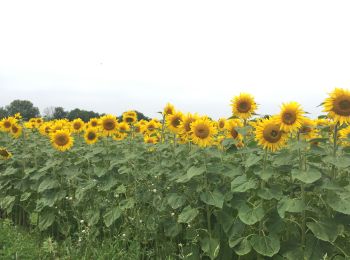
point(270, 132)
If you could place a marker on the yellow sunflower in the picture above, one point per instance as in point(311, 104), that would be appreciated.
point(62, 140)
point(291, 117)
point(130, 117)
point(91, 135)
point(203, 131)
point(231, 126)
point(269, 135)
point(77, 125)
point(109, 124)
point(150, 139)
point(4, 153)
point(118, 136)
point(94, 122)
point(45, 128)
point(6, 124)
point(17, 116)
point(308, 129)
point(344, 135)
point(185, 125)
point(38, 122)
point(337, 105)
point(169, 109)
point(151, 127)
point(243, 106)
point(221, 123)
point(123, 127)
point(16, 130)
point(173, 121)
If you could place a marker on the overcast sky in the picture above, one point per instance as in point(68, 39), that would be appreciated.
point(111, 56)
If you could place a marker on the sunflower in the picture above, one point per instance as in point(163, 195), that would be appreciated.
point(94, 122)
point(4, 153)
point(308, 129)
point(77, 125)
point(6, 124)
point(185, 125)
point(118, 136)
point(38, 122)
point(16, 130)
point(123, 127)
point(344, 135)
point(269, 135)
point(150, 139)
point(243, 106)
point(17, 116)
point(130, 117)
point(203, 131)
point(291, 117)
point(221, 123)
point(231, 129)
point(91, 135)
point(169, 109)
point(337, 105)
point(173, 121)
point(151, 127)
point(45, 128)
point(62, 140)
point(109, 124)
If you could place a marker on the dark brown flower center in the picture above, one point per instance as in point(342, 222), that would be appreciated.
point(14, 129)
point(288, 118)
point(341, 106)
point(272, 134)
point(175, 122)
point(187, 124)
point(61, 139)
point(233, 133)
point(201, 131)
point(91, 136)
point(4, 153)
point(244, 107)
point(77, 125)
point(222, 124)
point(109, 124)
point(7, 124)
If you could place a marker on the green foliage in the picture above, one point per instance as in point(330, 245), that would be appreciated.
point(25, 107)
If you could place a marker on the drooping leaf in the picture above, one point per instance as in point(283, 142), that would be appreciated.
point(191, 172)
point(308, 176)
point(289, 205)
point(326, 230)
point(187, 215)
point(251, 214)
point(265, 245)
point(111, 215)
point(210, 246)
point(215, 198)
point(242, 184)
point(176, 201)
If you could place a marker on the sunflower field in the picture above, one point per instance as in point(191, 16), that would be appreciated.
point(186, 186)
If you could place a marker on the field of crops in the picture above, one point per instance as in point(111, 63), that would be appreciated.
point(186, 186)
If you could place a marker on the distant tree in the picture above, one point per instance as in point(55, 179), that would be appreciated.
point(59, 113)
point(48, 113)
point(83, 114)
point(3, 113)
point(25, 107)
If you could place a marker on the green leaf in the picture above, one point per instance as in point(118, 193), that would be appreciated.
point(112, 215)
point(243, 247)
point(242, 184)
point(326, 230)
point(252, 160)
point(191, 172)
point(308, 176)
point(187, 215)
point(339, 162)
point(274, 192)
point(120, 189)
point(127, 203)
point(339, 202)
point(7, 203)
point(250, 215)
point(46, 219)
point(172, 229)
point(176, 201)
point(25, 196)
point(265, 245)
point(92, 216)
point(210, 247)
point(290, 205)
point(47, 184)
point(215, 198)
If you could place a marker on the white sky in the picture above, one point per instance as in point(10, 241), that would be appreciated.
point(110, 56)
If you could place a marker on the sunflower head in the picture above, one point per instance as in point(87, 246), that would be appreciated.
point(150, 139)
point(91, 135)
point(118, 136)
point(130, 117)
point(243, 106)
point(231, 129)
point(169, 109)
point(109, 124)
point(308, 129)
point(337, 105)
point(203, 131)
point(269, 135)
point(173, 122)
point(16, 130)
point(185, 125)
point(77, 125)
point(123, 127)
point(5, 154)
point(221, 123)
point(94, 122)
point(291, 117)
point(344, 135)
point(45, 128)
point(6, 124)
point(62, 140)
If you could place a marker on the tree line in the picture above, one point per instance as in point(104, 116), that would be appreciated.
point(27, 110)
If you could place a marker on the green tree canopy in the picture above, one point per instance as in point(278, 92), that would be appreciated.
point(25, 107)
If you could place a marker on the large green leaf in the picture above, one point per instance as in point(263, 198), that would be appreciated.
point(326, 230)
point(339, 162)
point(243, 247)
point(308, 176)
point(250, 215)
point(187, 215)
point(210, 246)
point(215, 198)
point(191, 172)
point(7, 203)
point(172, 229)
point(290, 205)
point(242, 184)
point(112, 215)
point(252, 160)
point(47, 184)
point(176, 201)
point(46, 219)
point(265, 245)
point(340, 202)
point(92, 216)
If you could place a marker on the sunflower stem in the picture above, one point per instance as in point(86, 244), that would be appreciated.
point(335, 147)
point(302, 190)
